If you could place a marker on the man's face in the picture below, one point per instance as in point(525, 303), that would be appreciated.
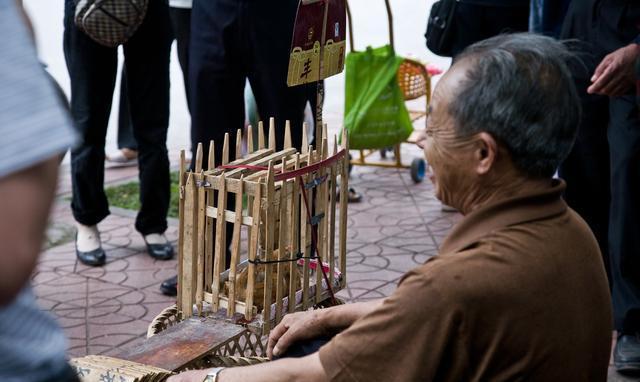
point(449, 156)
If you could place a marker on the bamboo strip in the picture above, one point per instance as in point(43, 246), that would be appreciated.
point(181, 221)
point(332, 214)
point(235, 252)
point(282, 242)
point(344, 189)
point(225, 149)
point(249, 139)
point(321, 208)
point(254, 235)
point(238, 144)
point(270, 228)
point(188, 254)
point(305, 232)
point(209, 240)
point(198, 159)
point(287, 135)
point(260, 135)
point(221, 245)
point(293, 236)
point(201, 247)
point(272, 133)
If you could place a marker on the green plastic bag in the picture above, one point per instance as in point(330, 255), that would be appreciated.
point(375, 113)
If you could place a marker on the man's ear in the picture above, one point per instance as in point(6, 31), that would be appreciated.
point(486, 153)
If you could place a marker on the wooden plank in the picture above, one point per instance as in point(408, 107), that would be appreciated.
point(293, 236)
point(254, 235)
point(229, 216)
point(190, 232)
point(235, 252)
point(221, 244)
point(201, 247)
point(181, 220)
point(180, 344)
point(270, 231)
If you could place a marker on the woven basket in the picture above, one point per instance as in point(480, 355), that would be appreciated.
point(413, 79)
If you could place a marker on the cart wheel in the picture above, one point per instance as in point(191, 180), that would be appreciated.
point(418, 169)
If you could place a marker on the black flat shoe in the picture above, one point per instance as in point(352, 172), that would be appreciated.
point(93, 258)
point(160, 251)
point(169, 287)
point(626, 355)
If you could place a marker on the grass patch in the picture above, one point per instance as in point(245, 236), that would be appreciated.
point(127, 195)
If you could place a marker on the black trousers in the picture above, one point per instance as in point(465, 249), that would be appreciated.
point(473, 23)
point(181, 28)
point(232, 40)
point(92, 69)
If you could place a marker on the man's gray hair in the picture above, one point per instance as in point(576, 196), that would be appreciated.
point(519, 89)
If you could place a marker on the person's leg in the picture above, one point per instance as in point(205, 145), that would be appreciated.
point(181, 26)
point(216, 80)
point(125, 128)
point(269, 38)
point(92, 69)
point(147, 66)
point(587, 168)
point(624, 226)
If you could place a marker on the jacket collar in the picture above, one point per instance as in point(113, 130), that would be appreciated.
point(525, 207)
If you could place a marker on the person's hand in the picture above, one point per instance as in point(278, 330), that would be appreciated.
point(615, 76)
point(294, 327)
point(189, 376)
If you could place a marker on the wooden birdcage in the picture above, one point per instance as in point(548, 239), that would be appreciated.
point(285, 213)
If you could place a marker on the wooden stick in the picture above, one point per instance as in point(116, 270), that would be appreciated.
point(250, 139)
point(293, 238)
point(235, 251)
point(324, 132)
point(225, 149)
point(305, 139)
point(198, 166)
point(260, 135)
point(344, 189)
point(270, 230)
point(287, 134)
point(208, 236)
point(321, 196)
point(332, 215)
point(201, 249)
point(282, 243)
point(221, 244)
point(253, 249)
point(190, 234)
point(181, 221)
point(305, 238)
point(272, 133)
point(238, 144)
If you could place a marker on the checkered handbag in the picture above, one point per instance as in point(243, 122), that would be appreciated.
point(110, 22)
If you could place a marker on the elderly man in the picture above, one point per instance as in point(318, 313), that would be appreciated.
point(518, 291)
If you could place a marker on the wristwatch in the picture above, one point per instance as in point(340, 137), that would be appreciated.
point(213, 374)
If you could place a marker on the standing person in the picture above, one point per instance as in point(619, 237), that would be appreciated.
point(477, 20)
point(232, 40)
point(602, 172)
point(180, 16)
point(92, 69)
point(35, 133)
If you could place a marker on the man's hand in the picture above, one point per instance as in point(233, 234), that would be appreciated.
point(295, 327)
point(615, 76)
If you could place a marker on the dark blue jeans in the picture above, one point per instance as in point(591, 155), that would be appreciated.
point(92, 69)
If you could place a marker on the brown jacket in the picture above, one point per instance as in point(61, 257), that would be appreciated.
point(518, 292)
